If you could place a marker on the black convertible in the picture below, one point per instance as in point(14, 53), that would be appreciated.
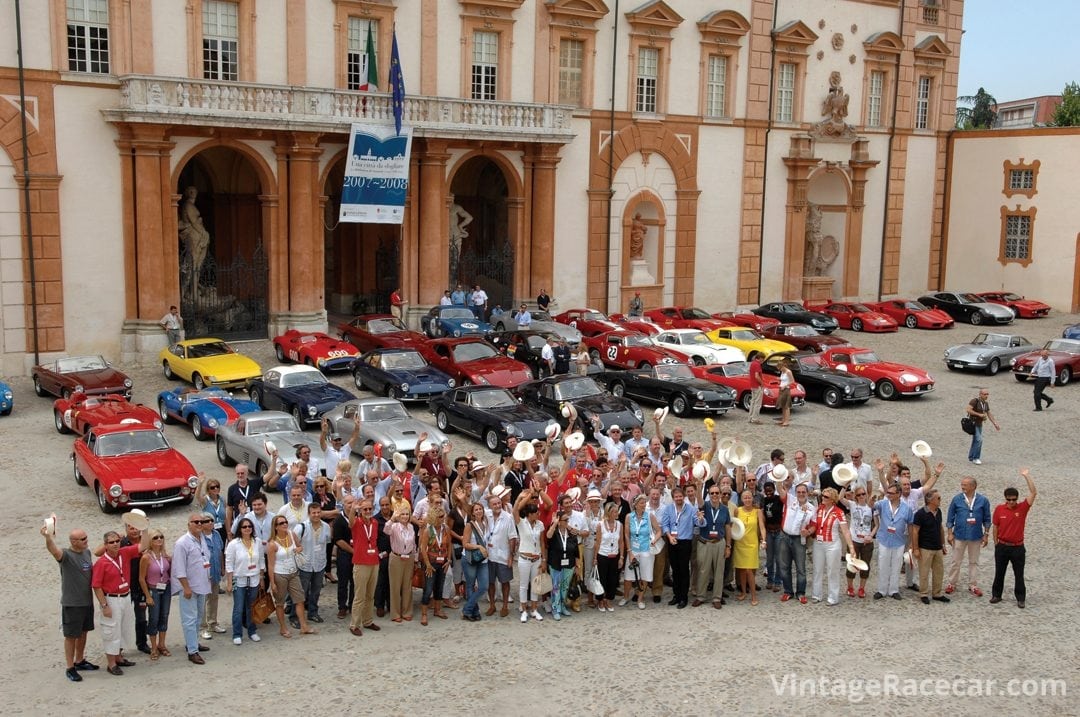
point(832, 387)
point(789, 312)
point(587, 396)
point(671, 384)
point(489, 413)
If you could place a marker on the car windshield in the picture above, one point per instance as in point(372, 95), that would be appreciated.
point(384, 326)
point(634, 340)
point(1066, 345)
point(383, 412)
point(217, 348)
point(536, 342)
point(694, 313)
point(695, 338)
point(495, 398)
point(576, 388)
point(1011, 297)
point(743, 335)
point(405, 359)
point(810, 363)
point(454, 312)
point(277, 424)
point(800, 330)
point(991, 340)
point(673, 371)
point(970, 299)
point(540, 315)
point(303, 378)
point(118, 444)
point(473, 352)
point(80, 363)
point(192, 396)
point(863, 358)
point(914, 306)
point(860, 308)
point(791, 308)
point(593, 316)
point(737, 368)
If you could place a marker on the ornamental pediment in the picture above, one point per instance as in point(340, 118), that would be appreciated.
point(590, 10)
point(795, 32)
point(727, 25)
point(932, 47)
point(656, 14)
point(884, 42)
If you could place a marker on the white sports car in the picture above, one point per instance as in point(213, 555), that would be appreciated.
point(695, 345)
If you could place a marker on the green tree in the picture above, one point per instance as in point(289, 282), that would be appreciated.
point(1067, 114)
point(979, 112)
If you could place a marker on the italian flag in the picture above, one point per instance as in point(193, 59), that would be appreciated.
point(372, 84)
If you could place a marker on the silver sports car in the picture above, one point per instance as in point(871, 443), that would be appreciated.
point(384, 421)
point(988, 352)
point(243, 440)
point(541, 321)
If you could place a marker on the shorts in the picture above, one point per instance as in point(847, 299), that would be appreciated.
point(784, 400)
point(75, 621)
point(499, 573)
point(645, 567)
point(288, 584)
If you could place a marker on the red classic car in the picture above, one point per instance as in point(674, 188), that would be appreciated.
point(686, 317)
point(472, 360)
point(641, 324)
point(589, 322)
point(736, 376)
point(379, 331)
point(803, 337)
point(855, 316)
point(132, 465)
point(79, 413)
point(890, 379)
point(914, 314)
point(314, 349)
point(1024, 308)
point(628, 349)
point(1065, 354)
point(93, 375)
point(746, 319)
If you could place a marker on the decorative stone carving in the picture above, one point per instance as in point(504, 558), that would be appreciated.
point(194, 235)
point(821, 54)
point(821, 251)
point(835, 109)
point(638, 230)
point(837, 41)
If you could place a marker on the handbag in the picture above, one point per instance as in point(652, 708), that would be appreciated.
point(418, 574)
point(967, 423)
point(262, 608)
point(474, 556)
point(593, 583)
point(541, 584)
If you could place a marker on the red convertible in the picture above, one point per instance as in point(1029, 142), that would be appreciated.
point(1024, 308)
point(89, 374)
point(736, 376)
point(472, 360)
point(855, 316)
point(379, 331)
point(79, 413)
point(914, 314)
point(641, 324)
point(747, 320)
point(1065, 354)
point(314, 349)
point(589, 322)
point(686, 317)
point(890, 379)
point(625, 349)
point(131, 466)
point(803, 337)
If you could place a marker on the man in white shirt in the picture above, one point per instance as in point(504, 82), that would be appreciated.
point(370, 464)
point(446, 300)
point(612, 442)
point(634, 442)
point(865, 475)
point(337, 449)
point(313, 535)
point(502, 545)
point(478, 299)
point(172, 323)
point(547, 355)
point(524, 318)
point(296, 509)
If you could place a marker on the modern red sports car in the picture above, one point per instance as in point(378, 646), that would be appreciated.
point(745, 318)
point(686, 317)
point(78, 413)
point(641, 324)
point(1065, 354)
point(379, 331)
point(803, 337)
point(855, 316)
point(314, 349)
point(472, 360)
point(1024, 308)
point(736, 376)
point(589, 322)
point(890, 379)
point(132, 465)
point(626, 349)
point(913, 314)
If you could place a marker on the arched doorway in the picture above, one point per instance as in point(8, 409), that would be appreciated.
point(827, 252)
point(12, 307)
point(224, 278)
point(481, 242)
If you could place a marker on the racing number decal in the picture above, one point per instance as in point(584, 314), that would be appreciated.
point(337, 353)
point(573, 324)
point(294, 355)
point(612, 352)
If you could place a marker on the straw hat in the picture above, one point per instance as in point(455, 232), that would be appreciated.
point(574, 441)
point(675, 465)
point(740, 454)
point(574, 494)
point(779, 473)
point(500, 491)
point(594, 494)
point(660, 414)
point(553, 432)
point(844, 474)
point(738, 530)
point(270, 448)
point(136, 519)
point(566, 410)
point(725, 443)
point(401, 462)
point(425, 446)
point(921, 449)
point(524, 451)
point(855, 565)
point(480, 465)
point(702, 470)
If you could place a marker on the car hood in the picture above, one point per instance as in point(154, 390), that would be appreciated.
point(994, 309)
point(95, 381)
point(1031, 304)
point(227, 408)
point(602, 403)
point(403, 434)
point(155, 469)
point(1033, 356)
point(321, 392)
point(565, 330)
point(466, 324)
point(831, 375)
point(521, 414)
point(399, 339)
point(418, 376)
point(229, 366)
point(495, 367)
point(965, 351)
point(897, 368)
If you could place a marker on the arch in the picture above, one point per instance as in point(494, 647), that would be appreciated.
point(514, 185)
point(655, 218)
point(647, 139)
point(266, 175)
point(10, 127)
point(841, 172)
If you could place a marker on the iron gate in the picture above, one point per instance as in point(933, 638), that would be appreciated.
point(227, 300)
point(493, 270)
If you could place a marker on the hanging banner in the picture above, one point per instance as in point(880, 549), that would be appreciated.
point(376, 175)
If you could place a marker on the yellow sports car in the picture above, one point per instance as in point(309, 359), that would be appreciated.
point(207, 362)
point(752, 343)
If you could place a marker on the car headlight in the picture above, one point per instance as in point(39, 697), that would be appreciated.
point(929, 378)
point(157, 424)
point(637, 413)
point(512, 430)
point(79, 389)
point(947, 352)
point(981, 357)
point(405, 387)
point(127, 383)
point(451, 382)
point(116, 491)
point(482, 381)
point(321, 362)
point(847, 390)
point(312, 411)
point(701, 395)
point(1012, 361)
point(873, 386)
point(213, 423)
point(7, 395)
point(193, 482)
point(908, 378)
point(457, 333)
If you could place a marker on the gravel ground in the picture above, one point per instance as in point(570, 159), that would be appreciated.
point(657, 661)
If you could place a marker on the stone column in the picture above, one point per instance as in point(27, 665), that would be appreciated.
point(800, 161)
point(859, 164)
point(543, 159)
point(434, 221)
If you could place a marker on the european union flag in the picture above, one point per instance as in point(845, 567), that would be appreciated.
point(397, 84)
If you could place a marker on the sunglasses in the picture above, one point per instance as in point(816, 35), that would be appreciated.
point(112, 542)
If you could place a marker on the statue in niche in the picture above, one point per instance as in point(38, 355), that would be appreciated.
point(821, 251)
point(192, 232)
point(638, 230)
point(459, 219)
point(835, 109)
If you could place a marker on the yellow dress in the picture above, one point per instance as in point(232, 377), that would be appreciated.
point(745, 553)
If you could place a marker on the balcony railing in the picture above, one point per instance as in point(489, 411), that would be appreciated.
point(174, 100)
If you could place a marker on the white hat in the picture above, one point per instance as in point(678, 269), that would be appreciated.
point(270, 447)
point(779, 473)
point(524, 451)
point(702, 470)
point(739, 454)
point(856, 565)
point(401, 462)
point(675, 465)
point(844, 474)
point(574, 494)
point(499, 491)
point(552, 432)
point(921, 449)
point(594, 494)
point(574, 441)
point(660, 414)
point(614, 427)
point(738, 529)
point(426, 446)
point(725, 443)
point(136, 519)
point(909, 559)
point(566, 410)
point(480, 465)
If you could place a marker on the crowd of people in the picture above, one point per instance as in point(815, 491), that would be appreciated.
point(581, 525)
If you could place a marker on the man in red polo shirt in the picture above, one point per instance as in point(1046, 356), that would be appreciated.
point(111, 580)
point(1008, 532)
point(365, 561)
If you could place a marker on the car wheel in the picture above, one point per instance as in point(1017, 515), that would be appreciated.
point(831, 397)
point(37, 387)
point(223, 455)
point(197, 381)
point(298, 416)
point(197, 429)
point(280, 353)
point(166, 369)
point(698, 361)
point(75, 471)
point(105, 506)
point(58, 421)
point(393, 392)
point(856, 324)
point(679, 406)
point(976, 318)
point(911, 322)
point(643, 364)
point(491, 440)
point(993, 367)
point(443, 421)
point(745, 400)
point(163, 412)
point(593, 354)
point(1064, 376)
point(357, 381)
point(256, 396)
point(1020, 377)
point(617, 389)
point(886, 391)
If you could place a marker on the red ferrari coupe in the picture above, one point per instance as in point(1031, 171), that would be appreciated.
point(855, 316)
point(745, 318)
point(379, 331)
point(314, 349)
point(890, 379)
point(1024, 308)
point(472, 360)
point(914, 314)
point(78, 413)
point(736, 376)
point(803, 337)
point(686, 317)
point(625, 349)
point(589, 322)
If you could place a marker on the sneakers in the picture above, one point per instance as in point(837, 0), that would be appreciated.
point(219, 629)
point(640, 605)
point(802, 599)
point(524, 616)
point(237, 641)
point(86, 665)
point(254, 638)
point(73, 674)
point(556, 617)
point(537, 616)
point(878, 596)
point(547, 608)
point(974, 590)
point(851, 592)
point(950, 589)
point(622, 603)
point(862, 592)
point(977, 462)
point(206, 635)
point(785, 597)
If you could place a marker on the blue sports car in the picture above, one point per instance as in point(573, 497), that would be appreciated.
point(203, 410)
point(302, 391)
point(452, 322)
point(403, 374)
point(1071, 332)
point(7, 399)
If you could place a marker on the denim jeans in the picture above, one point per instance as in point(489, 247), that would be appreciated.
point(476, 581)
point(433, 584)
point(975, 452)
point(158, 614)
point(772, 555)
point(242, 599)
point(312, 584)
point(192, 610)
point(791, 548)
point(560, 583)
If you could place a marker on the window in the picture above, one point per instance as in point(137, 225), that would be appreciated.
point(873, 107)
point(356, 73)
point(1017, 238)
point(571, 66)
point(220, 45)
point(1021, 179)
point(716, 87)
point(485, 65)
point(648, 65)
point(88, 36)
point(785, 93)
point(922, 104)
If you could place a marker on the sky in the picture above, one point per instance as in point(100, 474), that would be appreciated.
point(1019, 48)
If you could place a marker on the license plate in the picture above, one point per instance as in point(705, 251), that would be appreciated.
point(157, 505)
